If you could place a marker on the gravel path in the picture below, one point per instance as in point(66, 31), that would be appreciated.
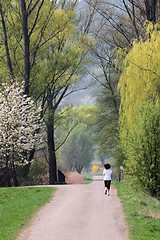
point(79, 212)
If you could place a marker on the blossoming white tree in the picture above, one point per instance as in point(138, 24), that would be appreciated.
point(19, 124)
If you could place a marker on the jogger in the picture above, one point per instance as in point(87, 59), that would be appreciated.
point(107, 174)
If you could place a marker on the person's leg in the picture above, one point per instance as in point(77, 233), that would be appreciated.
point(108, 187)
point(105, 187)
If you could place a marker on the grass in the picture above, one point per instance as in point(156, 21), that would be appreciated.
point(18, 206)
point(88, 178)
point(142, 212)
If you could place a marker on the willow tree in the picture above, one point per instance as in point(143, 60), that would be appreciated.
point(139, 111)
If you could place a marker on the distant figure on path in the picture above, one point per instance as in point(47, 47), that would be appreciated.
point(107, 174)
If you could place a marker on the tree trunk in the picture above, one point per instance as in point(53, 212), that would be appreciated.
point(29, 159)
point(8, 175)
point(51, 143)
point(79, 169)
point(150, 6)
point(26, 43)
point(9, 63)
point(52, 155)
point(14, 174)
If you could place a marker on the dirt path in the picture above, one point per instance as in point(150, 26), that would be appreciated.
point(79, 212)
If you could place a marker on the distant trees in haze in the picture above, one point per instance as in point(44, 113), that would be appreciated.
point(77, 150)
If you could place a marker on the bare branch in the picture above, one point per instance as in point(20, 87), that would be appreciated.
point(97, 79)
point(36, 18)
point(29, 11)
point(66, 137)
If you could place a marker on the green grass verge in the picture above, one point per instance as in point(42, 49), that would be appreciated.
point(18, 206)
point(88, 178)
point(88, 181)
point(142, 212)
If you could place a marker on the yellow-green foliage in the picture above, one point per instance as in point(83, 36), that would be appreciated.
point(60, 57)
point(141, 74)
point(71, 117)
point(140, 110)
point(56, 46)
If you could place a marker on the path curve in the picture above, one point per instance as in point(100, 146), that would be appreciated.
point(79, 212)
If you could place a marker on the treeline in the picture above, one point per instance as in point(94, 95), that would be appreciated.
point(48, 47)
point(43, 49)
point(127, 54)
point(140, 112)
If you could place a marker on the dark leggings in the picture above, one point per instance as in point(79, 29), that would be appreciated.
point(107, 184)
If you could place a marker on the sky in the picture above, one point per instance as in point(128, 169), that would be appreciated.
point(82, 97)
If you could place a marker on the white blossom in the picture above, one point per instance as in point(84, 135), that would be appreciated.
point(19, 124)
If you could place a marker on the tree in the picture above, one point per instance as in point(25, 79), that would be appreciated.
point(107, 98)
point(139, 111)
point(77, 152)
point(142, 147)
point(63, 58)
point(114, 25)
point(52, 50)
point(103, 71)
point(27, 26)
point(19, 125)
point(152, 10)
point(71, 121)
point(124, 20)
point(70, 118)
point(18, 29)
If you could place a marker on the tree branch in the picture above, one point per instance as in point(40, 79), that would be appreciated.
point(9, 62)
point(66, 137)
